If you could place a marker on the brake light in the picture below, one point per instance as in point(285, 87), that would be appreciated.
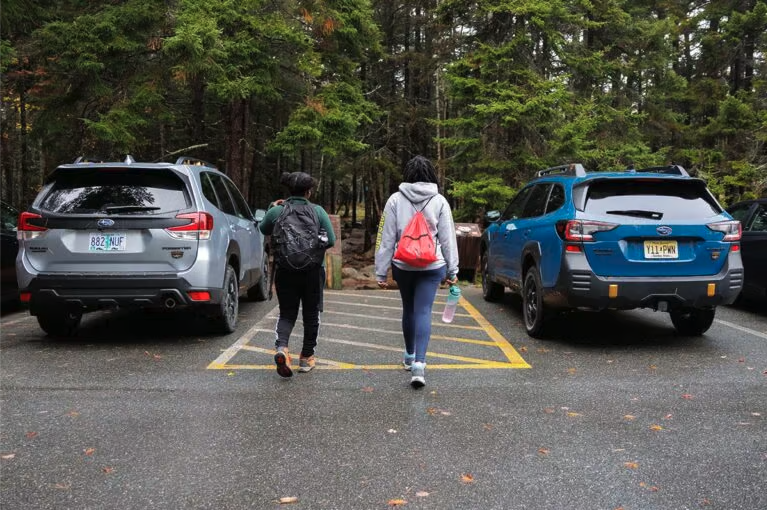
point(582, 231)
point(25, 230)
point(199, 295)
point(199, 226)
point(732, 229)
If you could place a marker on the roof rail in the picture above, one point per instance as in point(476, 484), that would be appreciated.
point(671, 169)
point(185, 160)
point(87, 159)
point(570, 169)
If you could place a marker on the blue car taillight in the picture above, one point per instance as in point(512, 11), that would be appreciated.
point(582, 230)
point(732, 229)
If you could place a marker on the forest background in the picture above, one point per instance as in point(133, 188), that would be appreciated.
point(349, 90)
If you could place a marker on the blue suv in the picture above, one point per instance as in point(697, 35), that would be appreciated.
point(650, 238)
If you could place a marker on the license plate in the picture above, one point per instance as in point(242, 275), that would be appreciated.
point(661, 250)
point(107, 242)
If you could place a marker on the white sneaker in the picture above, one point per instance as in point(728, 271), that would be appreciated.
point(417, 379)
point(407, 360)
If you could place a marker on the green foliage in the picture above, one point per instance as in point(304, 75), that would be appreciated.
point(481, 194)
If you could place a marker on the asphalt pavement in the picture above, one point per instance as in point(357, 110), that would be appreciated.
point(613, 411)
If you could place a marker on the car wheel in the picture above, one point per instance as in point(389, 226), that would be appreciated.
point(225, 317)
point(532, 303)
point(491, 291)
point(260, 291)
point(59, 324)
point(692, 321)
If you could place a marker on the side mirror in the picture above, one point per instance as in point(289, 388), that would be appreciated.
point(258, 215)
point(492, 217)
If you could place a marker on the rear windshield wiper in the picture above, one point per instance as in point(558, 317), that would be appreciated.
point(654, 215)
point(129, 208)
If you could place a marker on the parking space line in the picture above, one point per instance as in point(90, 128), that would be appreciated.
point(741, 328)
point(509, 357)
point(16, 321)
point(499, 339)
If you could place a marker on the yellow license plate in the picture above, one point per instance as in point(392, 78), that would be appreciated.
point(661, 250)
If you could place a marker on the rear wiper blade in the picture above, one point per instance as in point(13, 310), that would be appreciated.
point(129, 208)
point(654, 215)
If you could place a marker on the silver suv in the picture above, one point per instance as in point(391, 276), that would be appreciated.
point(145, 235)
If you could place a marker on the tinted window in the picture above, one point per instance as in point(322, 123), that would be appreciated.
point(116, 190)
point(515, 208)
point(740, 213)
point(654, 199)
point(760, 220)
point(225, 201)
point(536, 204)
point(9, 218)
point(243, 211)
point(207, 189)
point(556, 198)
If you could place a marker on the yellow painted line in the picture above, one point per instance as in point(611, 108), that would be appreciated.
point(499, 364)
point(503, 344)
point(383, 307)
point(398, 332)
point(16, 321)
point(395, 319)
point(233, 349)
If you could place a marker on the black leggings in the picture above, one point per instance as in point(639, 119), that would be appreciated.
point(304, 288)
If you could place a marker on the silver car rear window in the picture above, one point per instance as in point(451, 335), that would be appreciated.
point(116, 190)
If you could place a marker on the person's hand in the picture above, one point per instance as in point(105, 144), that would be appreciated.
point(383, 285)
point(279, 201)
point(451, 281)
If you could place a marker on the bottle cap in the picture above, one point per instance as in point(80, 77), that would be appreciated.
point(455, 290)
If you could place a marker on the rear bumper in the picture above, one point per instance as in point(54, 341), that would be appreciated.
point(94, 292)
point(579, 287)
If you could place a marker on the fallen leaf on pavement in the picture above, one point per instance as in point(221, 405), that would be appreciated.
point(467, 478)
point(487, 426)
point(107, 470)
point(656, 427)
point(397, 502)
point(549, 410)
point(543, 451)
point(687, 396)
point(631, 465)
point(523, 349)
point(573, 414)
point(7, 456)
point(89, 451)
point(629, 417)
point(63, 486)
point(572, 371)
point(73, 414)
point(367, 389)
point(288, 499)
point(30, 435)
point(668, 416)
point(421, 494)
point(391, 431)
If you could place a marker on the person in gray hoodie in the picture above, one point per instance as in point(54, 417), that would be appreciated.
point(417, 286)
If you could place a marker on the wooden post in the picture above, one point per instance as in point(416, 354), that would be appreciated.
point(334, 257)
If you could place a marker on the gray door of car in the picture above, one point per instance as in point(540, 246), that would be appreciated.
point(240, 228)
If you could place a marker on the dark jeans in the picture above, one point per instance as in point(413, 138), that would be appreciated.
point(418, 290)
point(304, 288)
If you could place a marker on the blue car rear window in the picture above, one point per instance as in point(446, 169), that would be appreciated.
point(658, 198)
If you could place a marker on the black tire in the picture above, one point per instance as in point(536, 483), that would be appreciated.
point(60, 324)
point(491, 291)
point(260, 291)
point(533, 309)
point(692, 321)
point(225, 316)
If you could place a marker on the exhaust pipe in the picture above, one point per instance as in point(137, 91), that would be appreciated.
point(170, 303)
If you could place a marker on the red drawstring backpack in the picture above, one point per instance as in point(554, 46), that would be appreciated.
point(416, 247)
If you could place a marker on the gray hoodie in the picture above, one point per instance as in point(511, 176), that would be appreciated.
point(400, 207)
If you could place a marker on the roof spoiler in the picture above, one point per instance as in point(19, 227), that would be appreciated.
point(185, 160)
point(575, 169)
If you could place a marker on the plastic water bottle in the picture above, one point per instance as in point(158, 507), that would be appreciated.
point(452, 302)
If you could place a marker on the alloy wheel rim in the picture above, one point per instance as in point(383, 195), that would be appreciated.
point(231, 303)
point(531, 307)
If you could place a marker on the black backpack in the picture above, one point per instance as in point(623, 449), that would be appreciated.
point(296, 238)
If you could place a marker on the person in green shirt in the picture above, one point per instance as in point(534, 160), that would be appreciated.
point(298, 286)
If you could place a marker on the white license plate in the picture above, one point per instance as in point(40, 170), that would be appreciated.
point(661, 250)
point(99, 241)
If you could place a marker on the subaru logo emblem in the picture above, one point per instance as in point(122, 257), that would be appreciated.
point(664, 230)
point(105, 223)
